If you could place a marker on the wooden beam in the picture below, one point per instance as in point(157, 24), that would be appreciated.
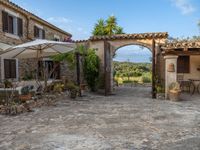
point(153, 69)
point(182, 53)
point(78, 72)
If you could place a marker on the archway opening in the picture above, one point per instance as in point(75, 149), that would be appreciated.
point(132, 67)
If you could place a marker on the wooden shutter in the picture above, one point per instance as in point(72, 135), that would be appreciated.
point(36, 32)
point(20, 26)
point(10, 24)
point(5, 21)
point(13, 68)
point(6, 68)
point(10, 68)
point(43, 34)
point(183, 64)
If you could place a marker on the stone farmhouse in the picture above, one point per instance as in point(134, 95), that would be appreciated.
point(18, 26)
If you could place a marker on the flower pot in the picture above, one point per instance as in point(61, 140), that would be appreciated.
point(24, 98)
point(174, 95)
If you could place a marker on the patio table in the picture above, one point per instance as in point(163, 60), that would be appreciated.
point(196, 86)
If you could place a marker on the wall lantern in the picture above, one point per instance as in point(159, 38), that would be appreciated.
point(171, 68)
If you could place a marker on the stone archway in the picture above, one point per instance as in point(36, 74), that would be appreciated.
point(107, 45)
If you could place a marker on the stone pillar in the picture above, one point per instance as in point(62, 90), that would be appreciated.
point(170, 75)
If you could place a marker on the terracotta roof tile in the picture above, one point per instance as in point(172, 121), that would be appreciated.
point(131, 36)
point(181, 44)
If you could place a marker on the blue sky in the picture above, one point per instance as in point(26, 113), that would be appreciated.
point(178, 17)
point(133, 54)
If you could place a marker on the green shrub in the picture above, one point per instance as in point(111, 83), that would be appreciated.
point(91, 69)
point(71, 86)
point(58, 87)
point(127, 81)
point(146, 79)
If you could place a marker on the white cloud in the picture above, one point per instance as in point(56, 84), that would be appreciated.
point(59, 20)
point(185, 6)
point(71, 26)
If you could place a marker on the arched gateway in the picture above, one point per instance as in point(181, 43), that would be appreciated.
point(107, 45)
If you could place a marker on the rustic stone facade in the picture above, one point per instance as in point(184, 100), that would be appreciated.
point(29, 21)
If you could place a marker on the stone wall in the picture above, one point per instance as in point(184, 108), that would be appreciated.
point(27, 67)
point(66, 71)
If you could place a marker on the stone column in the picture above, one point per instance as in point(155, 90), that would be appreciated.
point(170, 75)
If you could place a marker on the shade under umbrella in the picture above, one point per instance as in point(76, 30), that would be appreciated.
point(38, 49)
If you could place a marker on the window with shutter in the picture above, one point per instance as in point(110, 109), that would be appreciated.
point(39, 33)
point(183, 64)
point(12, 24)
point(10, 68)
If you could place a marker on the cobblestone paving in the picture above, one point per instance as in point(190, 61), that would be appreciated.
point(129, 120)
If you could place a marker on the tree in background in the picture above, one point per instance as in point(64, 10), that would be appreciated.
point(107, 27)
point(99, 28)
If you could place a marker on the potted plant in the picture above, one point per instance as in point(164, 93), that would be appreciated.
point(174, 91)
point(73, 89)
point(25, 94)
point(160, 92)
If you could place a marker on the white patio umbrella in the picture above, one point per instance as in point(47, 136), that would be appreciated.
point(38, 49)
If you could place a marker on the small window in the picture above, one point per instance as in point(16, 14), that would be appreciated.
point(39, 33)
point(12, 24)
point(183, 64)
point(10, 68)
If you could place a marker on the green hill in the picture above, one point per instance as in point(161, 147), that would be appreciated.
point(132, 72)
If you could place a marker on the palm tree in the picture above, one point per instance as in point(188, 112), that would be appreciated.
point(111, 25)
point(119, 30)
point(108, 27)
point(99, 28)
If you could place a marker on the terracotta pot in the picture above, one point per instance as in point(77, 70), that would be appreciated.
point(25, 97)
point(174, 95)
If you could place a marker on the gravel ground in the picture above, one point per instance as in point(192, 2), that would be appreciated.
point(129, 120)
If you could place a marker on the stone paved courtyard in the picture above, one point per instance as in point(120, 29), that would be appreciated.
point(129, 120)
